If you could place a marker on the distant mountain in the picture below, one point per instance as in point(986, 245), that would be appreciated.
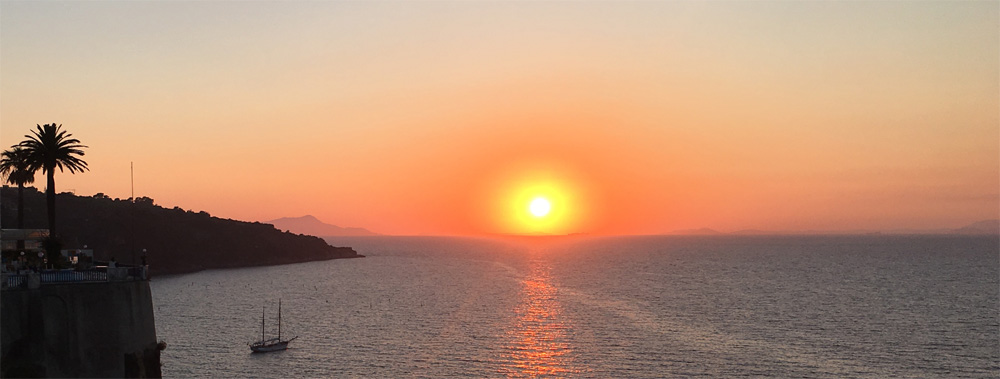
point(981, 227)
point(754, 232)
point(310, 225)
point(696, 232)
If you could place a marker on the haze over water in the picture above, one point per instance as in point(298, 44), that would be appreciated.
point(842, 306)
point(451, 117)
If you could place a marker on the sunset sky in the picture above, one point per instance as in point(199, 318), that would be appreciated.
point(451, 117)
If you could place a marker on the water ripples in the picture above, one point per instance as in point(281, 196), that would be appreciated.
point(539, 345)
point(627, 307)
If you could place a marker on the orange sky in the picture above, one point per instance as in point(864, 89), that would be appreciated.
point(439, 117)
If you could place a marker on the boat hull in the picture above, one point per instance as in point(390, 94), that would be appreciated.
point(270, 345)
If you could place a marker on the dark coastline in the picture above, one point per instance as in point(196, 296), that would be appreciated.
point(185, 271)
point(173, 241)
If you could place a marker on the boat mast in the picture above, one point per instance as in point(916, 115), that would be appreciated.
point(261, 323)
point(279, 320)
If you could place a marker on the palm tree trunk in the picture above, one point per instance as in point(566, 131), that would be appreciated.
point(20, 213)
point(20, 206)
point(50, 200)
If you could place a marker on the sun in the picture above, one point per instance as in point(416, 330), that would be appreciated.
point(540, 207)
point(536, 199)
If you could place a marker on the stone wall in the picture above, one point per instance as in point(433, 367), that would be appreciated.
point(79, 330)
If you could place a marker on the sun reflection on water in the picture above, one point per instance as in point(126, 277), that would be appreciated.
point(538, 337)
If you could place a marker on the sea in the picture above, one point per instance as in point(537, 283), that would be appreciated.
point(612, 307)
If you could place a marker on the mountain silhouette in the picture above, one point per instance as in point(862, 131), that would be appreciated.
point(175, 241)
point(981, 227)
point(310, 225)
point(696, 232)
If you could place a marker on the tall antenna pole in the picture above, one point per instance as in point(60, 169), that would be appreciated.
point(131, 169)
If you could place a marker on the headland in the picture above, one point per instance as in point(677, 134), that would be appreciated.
point(172, 241)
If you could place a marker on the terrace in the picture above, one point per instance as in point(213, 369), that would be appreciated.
point(35, 279)
point(22, 270)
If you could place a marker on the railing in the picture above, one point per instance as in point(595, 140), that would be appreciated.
point(101, 274)
point(16, 281)
point(74, 276)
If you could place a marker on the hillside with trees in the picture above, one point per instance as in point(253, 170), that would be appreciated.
point(175, 240)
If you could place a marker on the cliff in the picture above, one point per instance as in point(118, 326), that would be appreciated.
point(176, 240)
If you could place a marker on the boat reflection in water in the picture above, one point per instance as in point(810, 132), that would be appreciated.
point(539, 343)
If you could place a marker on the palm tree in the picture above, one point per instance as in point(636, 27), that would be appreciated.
point(16, 169)
point(49, 147)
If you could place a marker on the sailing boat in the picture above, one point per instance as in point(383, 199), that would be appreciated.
point(273, 344)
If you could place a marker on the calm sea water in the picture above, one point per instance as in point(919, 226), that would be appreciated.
point(873, 306)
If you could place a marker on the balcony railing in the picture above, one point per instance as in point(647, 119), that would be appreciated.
point(74, 276)
point(15, 281)
point(98, 274)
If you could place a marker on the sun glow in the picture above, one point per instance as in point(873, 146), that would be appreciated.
point(540, 207)
point(539, 198)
